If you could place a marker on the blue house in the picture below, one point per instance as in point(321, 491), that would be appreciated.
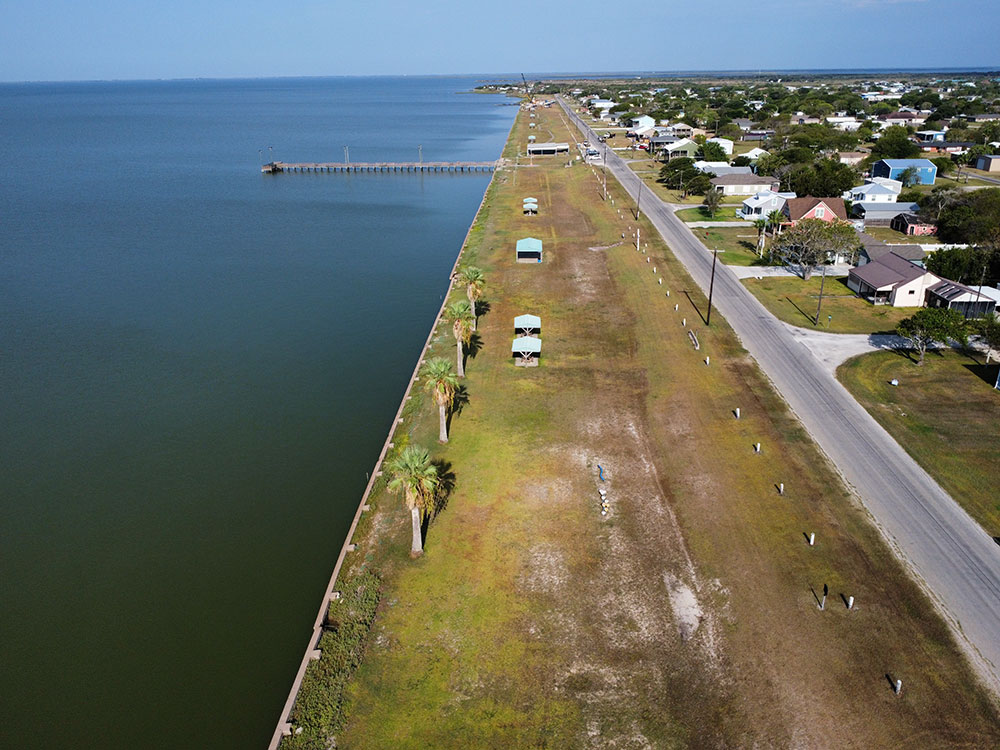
point(893, 168)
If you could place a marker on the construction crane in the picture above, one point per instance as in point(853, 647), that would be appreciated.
point(525, 83)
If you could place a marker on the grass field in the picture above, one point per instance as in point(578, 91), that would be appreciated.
point(898, 238)
point(699, 213)
point(945, 414)
point(737, 245)
point(684, 618)
point(794, 301)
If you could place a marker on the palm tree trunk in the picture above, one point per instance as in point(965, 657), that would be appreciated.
point(443, 418)
point(461, 364)
point(417, 547)
point(475, 319)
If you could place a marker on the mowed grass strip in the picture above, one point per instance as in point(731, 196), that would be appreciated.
point(794, 301)
point(945, 414)
point(532, 622)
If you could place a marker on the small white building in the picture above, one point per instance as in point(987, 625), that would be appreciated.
point(892, 280)
point(642, 121)
point(743, 184)
point(755, 153)
point(760, 205)
point(871, 192)
point(725, 143)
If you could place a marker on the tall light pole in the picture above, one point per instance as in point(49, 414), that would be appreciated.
point(819, 305)
point(711, 287)
point(420, 153)
point(347, 155)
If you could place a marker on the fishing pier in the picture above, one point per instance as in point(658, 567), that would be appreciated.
point(276, 167)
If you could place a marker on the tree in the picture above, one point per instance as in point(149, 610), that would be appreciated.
point(825, 178)
point(761, 226)
point(459, 314)
point(713, 152)
point(475, 285)
point(441, 382)
point(712, 202)
point(413, 473)
point(961, 161)
point(938, 199)
point(909, 176)
point(930, 324)
point(895, 143)
point(973, 218)
point(812, 242)
point(774, 220)
point(944, 165)
point(989, 329)
point(966, 265)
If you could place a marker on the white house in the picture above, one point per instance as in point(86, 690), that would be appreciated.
point(719, 168)
point(725, 143)
point(743, 184)
point(761, 204)
point(642, 121)
point(755, 153)
point(887, 182)
point(892, 280)
point(871, 192)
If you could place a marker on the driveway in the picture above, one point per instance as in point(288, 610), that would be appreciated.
point(956, 560)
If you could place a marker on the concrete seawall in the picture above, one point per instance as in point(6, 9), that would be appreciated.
point(284, 726)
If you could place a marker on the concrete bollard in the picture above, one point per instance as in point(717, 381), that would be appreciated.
point(654, 269)
point(898, 687)
point(781, 488)
point(737, 412)
point(812, 539)
point(668, 292)
point(708, 360)
point(756, 447)
point(850, 602)
point(647, 260)
point(676, 307)
point(661, 282)
point(684, 322)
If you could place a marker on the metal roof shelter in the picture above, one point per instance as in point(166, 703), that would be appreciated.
point(526, 350)
point(528, 326)
point(529, 250)
point(531, 139)
point(541, 149)
point(530, 208)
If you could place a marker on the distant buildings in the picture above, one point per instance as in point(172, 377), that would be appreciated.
point(926, 170)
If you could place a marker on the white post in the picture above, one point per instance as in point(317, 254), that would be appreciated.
point(637, 239)
point(654, 269)
point(737, 412)
point(781, 488)
point(756, 447)
point(850, 602)
point(899, 687)
point(684, 322)
point(668, 292)
point(661, 282)
point(647, 260)
point(676, 307)
point(812, 539)
point(708, 360)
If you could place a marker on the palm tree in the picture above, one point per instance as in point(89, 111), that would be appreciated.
point(713, 199)
point(761, 226)
point(414, 474)
point(440, 381)
point(475, 284)
point(774, 219)
point(459, 314)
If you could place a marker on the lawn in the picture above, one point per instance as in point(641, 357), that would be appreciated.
point(737, 245)
point(699, 213)
point(898, 238)
point(534, 621)
point(794, 301)
point(945, 414)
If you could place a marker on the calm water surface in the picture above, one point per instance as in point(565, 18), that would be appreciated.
point(198, 364)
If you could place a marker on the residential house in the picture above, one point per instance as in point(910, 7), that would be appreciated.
point(988, 163)
point(986, 117)
point(743, 123)
point(954, 296)
point(912, 225)
point(808, 207)
point(903, 118)
point(760, 205)
point(743, 184)
point(872, 249)
point(725, 143)
point(683, 147)
point(757, 134)
point(719, 168)
point(871, 192)
point(891, 280)
point(893, 168)
point(755, 153)
point(894, 184)
point(946, 147)
point(851, 157)
point(926, 136)
point(681, 129)
point(880, 213)
point(642, 121)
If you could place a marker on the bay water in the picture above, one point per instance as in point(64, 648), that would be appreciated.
point(198, 364)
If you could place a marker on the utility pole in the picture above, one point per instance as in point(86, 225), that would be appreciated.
point(819, 306)
point(711, 287)
point(604, 169)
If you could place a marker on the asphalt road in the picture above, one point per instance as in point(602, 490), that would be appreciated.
point(955, 558)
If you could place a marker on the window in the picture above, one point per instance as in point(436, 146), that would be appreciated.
point(912, 291)
point(820, 212)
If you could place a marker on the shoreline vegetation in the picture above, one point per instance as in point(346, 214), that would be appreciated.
point(690, 615)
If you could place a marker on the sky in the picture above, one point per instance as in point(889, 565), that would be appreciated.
point(55, 40)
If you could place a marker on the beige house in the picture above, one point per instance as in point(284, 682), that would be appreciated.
point(743, 184)
point(892, 280)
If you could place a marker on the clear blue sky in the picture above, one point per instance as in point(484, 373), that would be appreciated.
point(109, 39)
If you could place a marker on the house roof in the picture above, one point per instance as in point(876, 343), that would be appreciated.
point(526, 345)
point(950, 290)
point(873, 188)
point(743, 178)
point(529, 245)
point(527, 321)
point(904, 163)
point(890, 270)
point(909, 218)
point(883, 209)
point(799, 207)
point(878, 249)
point(766, 196)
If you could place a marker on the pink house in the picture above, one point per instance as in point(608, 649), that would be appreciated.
point(824, 209)
point(912, 225)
